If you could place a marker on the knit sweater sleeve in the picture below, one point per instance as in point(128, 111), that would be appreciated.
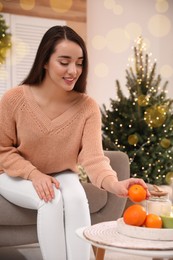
point(10, 160)
point(91, 157)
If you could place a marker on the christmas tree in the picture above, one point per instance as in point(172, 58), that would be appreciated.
point(5, 40)
point(141, 124)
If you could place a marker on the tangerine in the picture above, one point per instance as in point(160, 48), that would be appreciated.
point(137, 193)
point(153, 221)
point(135, 215)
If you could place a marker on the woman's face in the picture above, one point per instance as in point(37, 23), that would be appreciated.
point(65, 65)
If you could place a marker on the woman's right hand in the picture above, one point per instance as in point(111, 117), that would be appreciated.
point(43, 185)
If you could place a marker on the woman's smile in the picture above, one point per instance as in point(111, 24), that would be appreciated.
point(69, 80)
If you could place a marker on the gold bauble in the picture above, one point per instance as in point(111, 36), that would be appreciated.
point(132, 139)
point(169, 178)
point(165, 143)
point(143, 100)
point(155, 116)
point(3, 51)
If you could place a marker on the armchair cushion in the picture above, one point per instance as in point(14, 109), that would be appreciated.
point(18, 225)
point(93, 192)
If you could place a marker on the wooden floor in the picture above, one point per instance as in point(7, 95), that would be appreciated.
point(32, 252)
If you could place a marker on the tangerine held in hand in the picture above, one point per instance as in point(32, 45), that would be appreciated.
point(153, 221)
point(135, 215)
point(137, 193)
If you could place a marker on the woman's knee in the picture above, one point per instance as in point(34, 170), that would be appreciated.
point(52, 208)
point(73, 193)
point(76, 201)
point(56, 201)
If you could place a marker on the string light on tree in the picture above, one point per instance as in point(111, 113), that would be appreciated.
point(143, 121)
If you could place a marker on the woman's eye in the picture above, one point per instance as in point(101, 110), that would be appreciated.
point(79, 64)
point(64, 63)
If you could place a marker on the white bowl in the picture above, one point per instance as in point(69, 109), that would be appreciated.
point(144, 232)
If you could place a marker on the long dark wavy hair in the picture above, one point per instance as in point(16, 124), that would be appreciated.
point(47, 46)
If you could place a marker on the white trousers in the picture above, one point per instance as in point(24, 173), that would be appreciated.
point(57, 220)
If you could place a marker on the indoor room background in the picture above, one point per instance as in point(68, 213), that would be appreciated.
point(110, 29)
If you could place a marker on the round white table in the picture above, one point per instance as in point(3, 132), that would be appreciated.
point(154, 253)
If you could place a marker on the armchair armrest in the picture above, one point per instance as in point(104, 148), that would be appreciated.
point(112, 206)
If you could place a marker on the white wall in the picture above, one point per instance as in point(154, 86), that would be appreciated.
point(112, 28)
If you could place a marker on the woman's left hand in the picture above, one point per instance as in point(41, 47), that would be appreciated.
point(121, 187)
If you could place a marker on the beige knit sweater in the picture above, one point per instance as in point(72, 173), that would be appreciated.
point(29, 140)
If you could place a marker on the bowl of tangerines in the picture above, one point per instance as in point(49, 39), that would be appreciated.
point(137, 222)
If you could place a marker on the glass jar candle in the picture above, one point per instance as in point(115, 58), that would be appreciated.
point(159, 203)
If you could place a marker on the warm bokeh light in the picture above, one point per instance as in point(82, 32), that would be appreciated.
point(161, 6)
point(112, 5)
point(118, 9)
point(101, 70)
point(21, 49)
point(27, 4)
point(61, 6)
point(118, 40)
point(109, 4)
point(134, 30)
point(1, 6)
point(98, 42)
point(159, 25)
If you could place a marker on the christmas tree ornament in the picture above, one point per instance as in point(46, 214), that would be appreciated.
point(155, 116)
point(133, 139)
point(165, 143)
point(143, 100)
point(169, 178)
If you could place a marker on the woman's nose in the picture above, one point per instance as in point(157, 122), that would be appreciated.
point(72, 70)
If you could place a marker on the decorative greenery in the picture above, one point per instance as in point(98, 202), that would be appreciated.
point(141, 125)
point(5, 40)
point(82, 175)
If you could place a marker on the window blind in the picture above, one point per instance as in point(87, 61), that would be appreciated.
point(26, 33)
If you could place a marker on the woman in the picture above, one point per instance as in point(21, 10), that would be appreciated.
point(49, 126)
